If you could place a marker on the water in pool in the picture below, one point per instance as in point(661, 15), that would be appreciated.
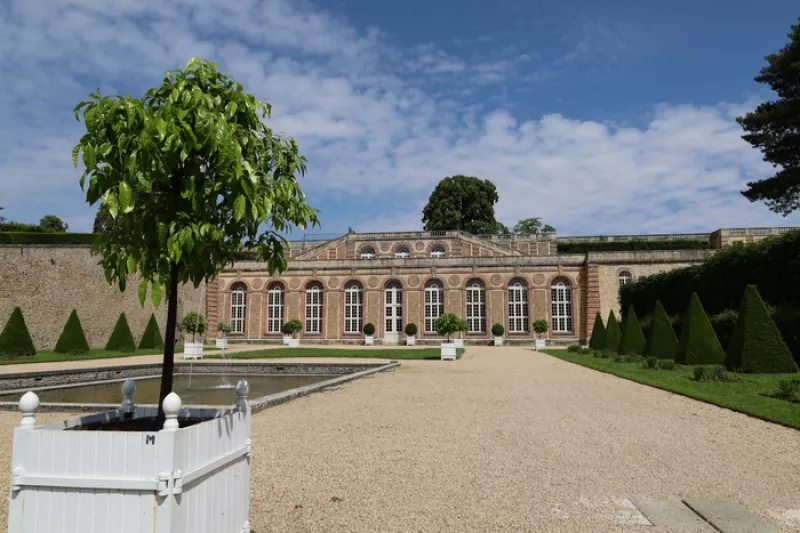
point(205, 389)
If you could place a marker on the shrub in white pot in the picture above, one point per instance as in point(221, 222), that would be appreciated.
point(369, 334)
point(540, 328)
point(498, 330)
point(411, 334)
point(446, 325)
point(224, 328)
point(196, 325)
point(291, 328)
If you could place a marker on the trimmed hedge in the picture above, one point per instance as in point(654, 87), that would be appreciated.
point(613, 334)
point(46, 238)
point(15, 340)
point(72, 339)
point(631, 246)
point(699, 344)
point(121, 339)
point(598, 339)
point(662, 342)
point(151, 338)
point(633, 340)
point(756, 345)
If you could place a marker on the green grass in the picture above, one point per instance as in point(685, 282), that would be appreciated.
point(743, 396)
point(376, 353)
point(53, 357)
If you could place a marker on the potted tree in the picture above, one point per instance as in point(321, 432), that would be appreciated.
point(411, 334)
point(446, 325)
point(540, 328)
point(192, 176)
point(369, 334)
point(224, 328)
point(292, 328)
point(196, 324)
point(497, 331)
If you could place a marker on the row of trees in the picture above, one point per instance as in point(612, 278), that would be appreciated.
point(48, 223)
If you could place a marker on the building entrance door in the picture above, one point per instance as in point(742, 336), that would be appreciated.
point(393, 313)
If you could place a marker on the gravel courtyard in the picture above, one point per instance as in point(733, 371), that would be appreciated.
point(504, 439)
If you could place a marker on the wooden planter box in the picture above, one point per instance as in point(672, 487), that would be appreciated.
point(498, 341)
point(287, 340)
point(192, 350)
point(294, 343)
point(459, 343)
point(448, 351)
point(541, 344)
point(411, 340)
point(68, 478)
point(369, 340)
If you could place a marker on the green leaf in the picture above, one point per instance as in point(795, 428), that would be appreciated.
point(230, 109)
point(142, 290)
point(155, 294)
point(131, 264)
point(238, 207)
point(125, 197)
point(112, 203)
point(75, 153)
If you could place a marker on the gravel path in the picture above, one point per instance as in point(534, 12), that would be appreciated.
point(504, 439)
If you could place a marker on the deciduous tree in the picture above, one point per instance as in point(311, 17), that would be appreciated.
point(532, 226)
point(462, 203)
point(53, 223)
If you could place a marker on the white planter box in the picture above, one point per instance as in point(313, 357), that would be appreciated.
point(411, 340)
point(369, 340)
point(459, 343)
point(222, 344)
point(286, 340)
point(192, 350)
point(193, 479)
point(498, 341)
point(448, 351)
point(541, 344)
point(294, 343)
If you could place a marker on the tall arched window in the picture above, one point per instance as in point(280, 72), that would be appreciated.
point(434, 305)
point(517, 306)
point(353, 307)
point(238, 307)
point(368, 253)
point(437, 252)
point(625, 278)
point(402, 253)
point(274, 308)
point(394, 307)
point(314, 308)
point(476, 307)
point(561, 306)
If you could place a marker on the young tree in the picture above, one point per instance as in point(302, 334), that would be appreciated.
point(189, 173)
point(532, 226)
point(773, 128)
point(53, 223)
point(462, 203)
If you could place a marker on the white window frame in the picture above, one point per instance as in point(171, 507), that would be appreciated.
point(561, 306)
point(368, 253)
point(238, 308)
point(353, 308)
point(476, 307)
point(314, 308)
point(438, 252)
point(393, 307)
point(434, 305)
point(625, 277)
point(402, 253)
point(275, 304)
point(518, 312)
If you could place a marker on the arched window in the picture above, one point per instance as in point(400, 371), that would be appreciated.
point(238, 307)
point(402, 253)
point(353, 307)
point(368, 253)
point(625, 278)
point(476, 307)
point(434, 305)
point(517, 306)
point(314, 308)
point(437, 252)
point(561, 306)
point(274, 308)
point(394, 307)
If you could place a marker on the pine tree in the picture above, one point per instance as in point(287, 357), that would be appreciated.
point(613, 334)
point(72, 339)
point(756, 344)
point(633, 340)
point(662, 342)
point(121, 339)
point(151, 338)
point(15, 340)
point(699, 344)
point(598, 339)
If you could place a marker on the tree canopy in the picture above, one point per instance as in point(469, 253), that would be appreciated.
point(53, 223)
point(532, 226)
point(462, 203)
point(774, 128)
point(102, 220)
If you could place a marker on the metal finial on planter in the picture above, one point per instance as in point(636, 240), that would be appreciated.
point(128, 390)
point(172, 408)
point(28, 404)
point(242, 390)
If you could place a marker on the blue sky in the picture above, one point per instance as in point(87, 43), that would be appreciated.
point(600, 117)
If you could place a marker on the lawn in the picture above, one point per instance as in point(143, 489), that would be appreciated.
point(53, 357)
point(371, 353)
point(742, 396)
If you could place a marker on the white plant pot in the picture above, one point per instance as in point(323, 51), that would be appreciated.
point(541, 344)
point(411, 340)
point(222, 344)
point(286, 340)
point(498, 341)
point(448, 351)
point(369, 340)
point(184, 480)
point(192, 350)
point(294, 343)
point(459, 343)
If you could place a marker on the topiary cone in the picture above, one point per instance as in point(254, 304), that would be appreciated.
point(699, 344)
point(72, 339)
point(633, 340)
point(15, 340)
point(151, 338)
point(613, 334)
point(121, 339)
point(598, 339)
point(662, 342)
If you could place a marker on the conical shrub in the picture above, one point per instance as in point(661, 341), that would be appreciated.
point(613, 334)
point(15, 340)
point(756, 344)
point(633, 340)
point(699, 344)
point(121, 339)
point(598, 339)
point(72, 339)
point(151, 338)
point(662, 342)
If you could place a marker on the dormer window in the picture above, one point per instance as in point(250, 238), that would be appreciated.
point(402, 253)
point(367, 253)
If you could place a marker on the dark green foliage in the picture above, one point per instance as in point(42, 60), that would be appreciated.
point(662, 341)
point(626, 358)
point(598, 339)
point(121, 339)
point(698, 344)
point(31, 237)
point(634, 245)
point(15, 340)
point(633, 340)
point(756, 345)
point(711, 373)
point(411, 329)
point(574, 348)
point(787, 319)
point(498, 330)
point(667, 364)
point(462, 203)
point(151, 338)
point(586, 351)
point(651, 363)
point(19, 227)
point(613, 334)
point(654, 363)
point(53, 223)
point(723, 324)
point(788, 389)
point(72, 339)
point(369, 329)
point(102, 220)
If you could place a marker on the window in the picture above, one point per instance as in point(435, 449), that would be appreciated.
point(394, 307)
point(314, 308)
point(517, 306)
point(238, 305)
point(353, 308)
point(437, 252)
point(625, 278)
point(434, 305)
point(476, 307)
point(561, 306)
point(402, 253)
point(274, 308)
point(368, 253)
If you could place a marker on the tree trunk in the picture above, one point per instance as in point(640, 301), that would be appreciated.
point(168, 366)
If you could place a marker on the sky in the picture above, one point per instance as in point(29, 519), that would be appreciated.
point(614, 117)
